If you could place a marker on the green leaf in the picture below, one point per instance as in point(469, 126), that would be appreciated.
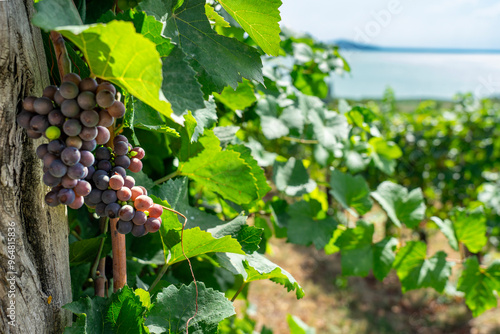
point(310, 82)
point(255, 267)
point(351, 191)
point(257, 172)
point(220, 61)
point(470, 228)
point(383, 257)
point(416, 271)
point(260, 19)
point(309, 225)
point(205, 118)
point(292, 178)
point(123, 312)
point(175, 306)
point(106, 47)
point(478, 285)
point(197, 242)
point(52, 14)
point(86, 250)
point(272, 126)
point(356, 250)
point(297, 326)
point(215, 17)
point(401, 206)
point(329, 127)
point(224, 172)
point(238, 99)
point(446, 226)
point(384, 154)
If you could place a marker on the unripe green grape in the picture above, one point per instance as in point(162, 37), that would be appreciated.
point(52, 132)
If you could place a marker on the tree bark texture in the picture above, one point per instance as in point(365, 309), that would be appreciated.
point(34, 266)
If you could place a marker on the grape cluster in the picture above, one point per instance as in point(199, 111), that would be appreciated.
point(114, 193)
point(74, 118)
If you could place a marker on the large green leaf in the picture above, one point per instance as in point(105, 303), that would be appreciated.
point(416, 271)
point(106, 47)
point(384, 154)
point(478, 285)
point(220, 61)
point(52, 14)
point(255, 267)
point(383, 257)
point(470, 228)
point(308, 224)
point(351, 191)
point(224, 172)
point(86, 250)
point(238, 99)
point(260, 19)
point(401, 206)
point(329, 127)
point(292, 178)
point(175, 306)
point(123, 312)
point(297, 326)
point(446, 226)
point(356, 250)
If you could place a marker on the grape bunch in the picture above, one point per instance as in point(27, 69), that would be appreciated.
point(75, 118)
point(114, 193)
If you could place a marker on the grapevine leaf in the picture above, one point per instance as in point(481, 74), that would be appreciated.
point(255, 267)
point(106, 47)
point(215, 17)
point(356, 250)
point(220, 61)
point(205, 118)
point(384, 154)
point(297, 326)
point(224, 172)
point(383, 257)
point(238, 99)
point(258, 173)
point(305, 227)
point(401, 206)
point(197, 242)
point(478, 285)
point(226, 134)
point(86, 250)
point(175, 306)
point(260, 19)
point(292, 178)
point(123, 313)
point(446, 226)
point(272, 126)
point(329, 127)
point(52, 14)
point(351, 191)
point(470, 228)
point(416, 271)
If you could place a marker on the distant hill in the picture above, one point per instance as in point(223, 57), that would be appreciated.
point(355, 46)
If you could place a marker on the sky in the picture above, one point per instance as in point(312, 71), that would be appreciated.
point(467, 24)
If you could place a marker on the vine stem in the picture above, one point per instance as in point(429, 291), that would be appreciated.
point(238, 292)
point(168, 177)
point(302, 141)
point(63, 62)
point(189, 262)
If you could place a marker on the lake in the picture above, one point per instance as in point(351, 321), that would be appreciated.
point(417, 75)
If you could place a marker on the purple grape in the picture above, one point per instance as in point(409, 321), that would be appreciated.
point(124, 227)
point(139, 218)
point(56, 147)
point(74, 141)
point(58, 98)
point(97, 174)
point(70, 156)
point(89, 145)
point(58, 168)
point(88, 134)
point(77, 171)
point(139, 230)
point(41, 150)
point(122, 161)
point(112, 210)
point(103, 135)
point(102, 153)
point(121, 148)
point(51, 199)
point(89, 203)
point(100, 209)
point(28, 103)
point(77, 203)
point(120, 171)
point(82, 188)
point(49, 91)
point(152, 224)
point(108, 196)
point(105, 98)
point(129, 181)
point(120, 138)
point(72, 127)
point(68, 182)
point(104, 165)
point(89, 118)
point(56, 118)
point(66, 196)
point(86, 100)
point(135, 165)
point(24, 119)
point(88, 84)
point(43, 105)
point(90, 173)
point(126, 212)
point(69, 90)
point(116, 182)
point(105, 119)
point(50, 180)
point(39, 123)
point(95, 196)
point(86, 158)
point(124, 194)
point(101, 181)
point(70, 108)
point(48, 159)
point(33, 134)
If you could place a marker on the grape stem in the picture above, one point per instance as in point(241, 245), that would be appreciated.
point(63, 62)
point(302, 141)
point(168, 177)
point(164, 270)
point(238, 292)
